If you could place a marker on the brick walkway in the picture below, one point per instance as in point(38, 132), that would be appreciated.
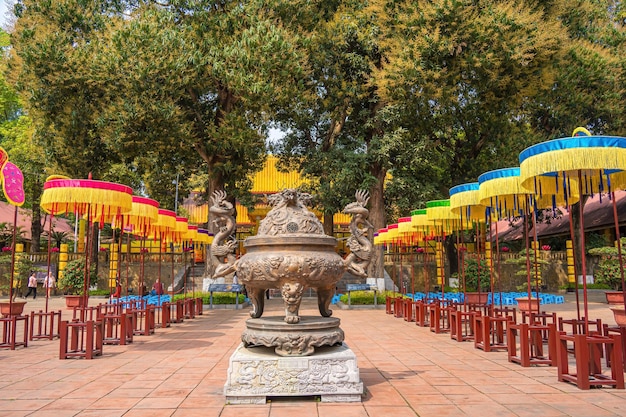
point(180, 371)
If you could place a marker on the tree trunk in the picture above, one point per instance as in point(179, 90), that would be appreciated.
point(328, 224)
point(35, 229)
point(35, 225)
point(575, 216)
point(451, 253)
point(377, 218)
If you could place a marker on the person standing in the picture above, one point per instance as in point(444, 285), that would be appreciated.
point(157, 288)
point(32, 286)
point(49, 283)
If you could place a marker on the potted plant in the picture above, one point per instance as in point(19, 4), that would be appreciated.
point(474, 273)
point(72, 282)
point(22, 269)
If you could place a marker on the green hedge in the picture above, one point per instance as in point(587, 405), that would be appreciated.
point(99, 292)
point(364, 298)
point(218, 297)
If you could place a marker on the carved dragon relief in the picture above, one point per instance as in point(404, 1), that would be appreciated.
point(222, 249)
point(289, 214)
point(360, 246)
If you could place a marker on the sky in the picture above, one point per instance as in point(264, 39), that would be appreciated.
point(4, 7)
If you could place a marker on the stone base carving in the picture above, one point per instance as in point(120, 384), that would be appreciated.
point(255, 374)
point(298, 339)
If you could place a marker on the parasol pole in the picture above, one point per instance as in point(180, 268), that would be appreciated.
point(583, 260)
point(498, 262)
point(536, 253)
point(87, 263)
point(619, 247)
point(527, 240)
point(14, 238)
point(47, 280)
point(573, 238)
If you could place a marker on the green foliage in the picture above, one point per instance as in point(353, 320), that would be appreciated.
point(595, 240)
point(365, 297)
point(138, 92)
point(22, 270)
point(472, 273)
point(218, 297)
point(72, 279)
point(598, 286)
point(607, 271)
point(100, 293)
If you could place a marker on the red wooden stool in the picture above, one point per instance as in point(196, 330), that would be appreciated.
point(397, 307)
point(489, 332)
point(199, 306)
point(81, 339)
point(177, 311)
point(615, 330)
point(118, 329)
point(143, 320)
point(587, 353)
point(531, 344)
point(45, 324)
point(408, 310)
point(439, 317)
point(462, 325)
point(421, 313)
point(163, 315)
point(190, 308)
point(9, 332)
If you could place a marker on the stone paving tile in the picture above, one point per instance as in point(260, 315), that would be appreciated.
point(406, 370)
point(479, 410)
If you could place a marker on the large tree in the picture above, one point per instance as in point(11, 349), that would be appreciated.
point(427, 91)
point(151, 89)
point(17, 138)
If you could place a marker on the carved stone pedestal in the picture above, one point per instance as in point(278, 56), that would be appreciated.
point(254, 374)
point(298, 339)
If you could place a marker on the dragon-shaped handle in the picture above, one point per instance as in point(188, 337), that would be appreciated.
point(222, 257)
point(359, 244)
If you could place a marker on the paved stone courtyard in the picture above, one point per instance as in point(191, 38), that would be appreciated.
point(180, 371)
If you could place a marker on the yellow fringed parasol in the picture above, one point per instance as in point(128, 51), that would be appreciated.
point(465, 202)
point(163, 226)
point(144, 212)
point(381, 237)
point(86, 197)
point(440, 216)
point(583, 163)
point(552, 165)
point(204, 236)
point(182, 228)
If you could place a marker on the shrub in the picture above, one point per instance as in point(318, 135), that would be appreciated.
point(72, 280)
point(104, 292)
point(607, 271)
point(23, 268)
point(218, 297)
point(365, 297)
point(472, 272)
point(536, 269)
